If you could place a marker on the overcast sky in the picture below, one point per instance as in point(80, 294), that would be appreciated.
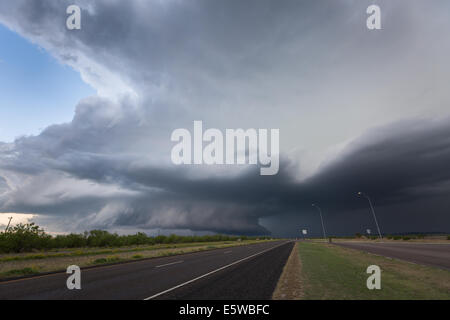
point(357, 109)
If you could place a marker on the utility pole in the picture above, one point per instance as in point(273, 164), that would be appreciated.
point(6, 229)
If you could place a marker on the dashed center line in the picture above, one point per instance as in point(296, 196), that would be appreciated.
point(168, 264)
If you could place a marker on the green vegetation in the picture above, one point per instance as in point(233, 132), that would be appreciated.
point(106, 260)
point(406, 238)
point(19, 272)
point(30, 237)
point(96, 251)
point(332, 272)
point(23, 237)
point(19, 246)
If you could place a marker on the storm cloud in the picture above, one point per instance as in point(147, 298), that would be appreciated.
point(357, 111)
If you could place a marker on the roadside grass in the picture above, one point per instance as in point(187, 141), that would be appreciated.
point(332, 272)
point(107, 260)
point(21, 272)
point(77, 252)
point(17, 265)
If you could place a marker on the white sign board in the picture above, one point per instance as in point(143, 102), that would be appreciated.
point(304, 231)
point(368, 231)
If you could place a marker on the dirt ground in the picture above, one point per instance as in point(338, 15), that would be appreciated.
point(289, 286)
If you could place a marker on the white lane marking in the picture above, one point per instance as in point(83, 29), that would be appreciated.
point(227, 251)
point(210, 273)
point(169, 264)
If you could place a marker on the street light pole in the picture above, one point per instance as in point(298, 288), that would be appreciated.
point(321, 219)
point(373, 212)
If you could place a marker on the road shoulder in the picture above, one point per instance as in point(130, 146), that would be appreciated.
point(289, 286)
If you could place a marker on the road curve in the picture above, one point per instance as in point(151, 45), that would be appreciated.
point(229, 272)
point(431, 254)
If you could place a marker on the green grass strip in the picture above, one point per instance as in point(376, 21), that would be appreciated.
point(332, 272)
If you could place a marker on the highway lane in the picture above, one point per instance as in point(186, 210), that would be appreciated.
point(147, 278)
point(254, 278)
point(432, 254)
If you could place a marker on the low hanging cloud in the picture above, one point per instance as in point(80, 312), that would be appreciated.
point(158, 66)
point(395, 164)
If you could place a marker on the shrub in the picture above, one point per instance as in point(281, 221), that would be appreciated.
point(69, 241)
point(100, 260)
point(21, 272)
point(28, 237)
point(106, 260)
point(24, 237)
point(101, 238)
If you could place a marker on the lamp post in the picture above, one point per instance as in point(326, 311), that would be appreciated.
point(373, 212)
point(321, 219)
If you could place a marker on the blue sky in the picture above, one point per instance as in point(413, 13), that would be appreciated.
point(35, 89)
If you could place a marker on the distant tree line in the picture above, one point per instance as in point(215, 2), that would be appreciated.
point(29, 237)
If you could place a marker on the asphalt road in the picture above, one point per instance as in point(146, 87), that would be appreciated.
point(244, 272)
point(437, 255)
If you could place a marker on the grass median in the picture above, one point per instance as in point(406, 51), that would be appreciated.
point(332, 272)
